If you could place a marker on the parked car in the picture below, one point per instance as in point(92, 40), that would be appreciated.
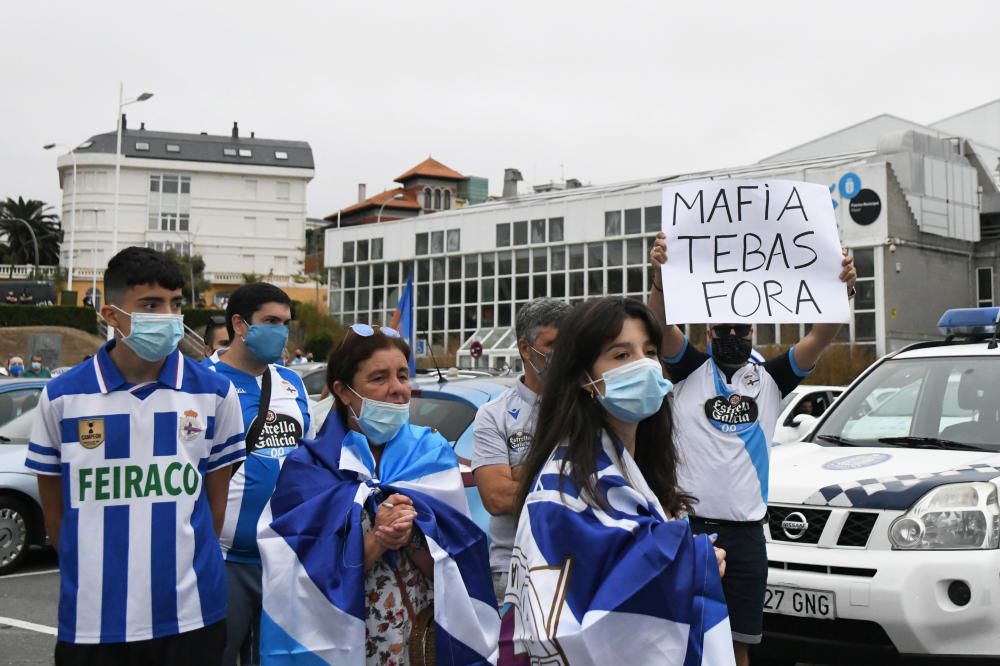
point(21, 524)
point(801, 409)
point(450, 408)
point(884, 524)
point(313, 377)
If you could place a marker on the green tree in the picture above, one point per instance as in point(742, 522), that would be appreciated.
point(191, 264)
point(45, 224)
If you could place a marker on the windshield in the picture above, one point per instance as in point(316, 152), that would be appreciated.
point(18, 429)
point(449, 417)
point(954, 399)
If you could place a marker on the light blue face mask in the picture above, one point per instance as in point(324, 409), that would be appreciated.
point(266, 341)
point(634, 391)
point(380, 421)
point(154, 336)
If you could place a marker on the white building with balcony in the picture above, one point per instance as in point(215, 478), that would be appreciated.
point(239, 202)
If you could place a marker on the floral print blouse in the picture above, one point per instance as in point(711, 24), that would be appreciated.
point(387, 622)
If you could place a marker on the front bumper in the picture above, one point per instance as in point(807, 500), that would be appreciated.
point(888, 602)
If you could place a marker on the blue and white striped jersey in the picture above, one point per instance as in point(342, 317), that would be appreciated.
point(138, 554)
point(288, 420)
point(723, 427)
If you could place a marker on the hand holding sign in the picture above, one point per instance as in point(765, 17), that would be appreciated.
point(751, 251)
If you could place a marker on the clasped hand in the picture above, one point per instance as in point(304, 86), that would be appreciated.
point(394, 522)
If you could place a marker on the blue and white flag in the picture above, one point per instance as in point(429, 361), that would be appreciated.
point(312, 550)
point(617, 586)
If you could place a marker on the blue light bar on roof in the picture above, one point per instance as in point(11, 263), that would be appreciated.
point(969, 321)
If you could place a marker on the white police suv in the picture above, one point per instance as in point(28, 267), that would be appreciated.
point(884, 524)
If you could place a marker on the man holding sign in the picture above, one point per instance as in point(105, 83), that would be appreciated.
point(742, 252)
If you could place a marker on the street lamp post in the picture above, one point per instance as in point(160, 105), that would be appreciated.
point(72, 212)
point(34, 239)
point(122, 103)
point(396, 197)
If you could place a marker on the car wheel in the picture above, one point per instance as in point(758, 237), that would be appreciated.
point(15, 526)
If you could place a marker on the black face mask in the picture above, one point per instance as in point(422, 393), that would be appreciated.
point(731, 350)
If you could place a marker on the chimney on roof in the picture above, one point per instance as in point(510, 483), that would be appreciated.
point(236, 130)
point(573, 183)
point(511, 177)
point(362, 192)
point(142, 126)
point(253, 135)
point(124, 124)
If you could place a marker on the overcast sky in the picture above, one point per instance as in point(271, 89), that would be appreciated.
point(610, 90)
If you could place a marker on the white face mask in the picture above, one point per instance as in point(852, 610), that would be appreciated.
point(154, 336)
point(634, 391)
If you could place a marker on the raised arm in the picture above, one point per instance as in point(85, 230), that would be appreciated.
point(673, 338)
point(819, 337)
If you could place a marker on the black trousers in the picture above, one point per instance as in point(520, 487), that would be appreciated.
point(201, 647)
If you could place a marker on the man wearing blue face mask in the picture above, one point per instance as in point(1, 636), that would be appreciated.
point(141, 439)
point(276, 413)
point(504, 429)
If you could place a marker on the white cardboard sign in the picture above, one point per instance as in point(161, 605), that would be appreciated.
point(752, 251)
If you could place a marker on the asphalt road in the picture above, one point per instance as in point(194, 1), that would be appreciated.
point(31, 596)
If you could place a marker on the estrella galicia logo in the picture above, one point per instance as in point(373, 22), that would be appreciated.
point(864, 205)
point(519, 441)
point(734, 413)
point(279, 436)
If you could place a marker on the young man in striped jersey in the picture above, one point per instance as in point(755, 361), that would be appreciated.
point(133, 449)
point(257, 317)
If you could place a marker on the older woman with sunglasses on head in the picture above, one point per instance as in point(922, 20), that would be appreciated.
point(367, 542)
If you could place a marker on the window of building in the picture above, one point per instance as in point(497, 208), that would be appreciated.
point(595, 255)
point(280, 155)
point(362, 251)
point(364, 273)
point(437, 199)
point(504, 287)
point(653, 218)
point(558, 256)
point(522, 262)
point(348, 252)
point(437, 242)
point(576, 284)
point(154, 183)
point(447, 200)
point(454, 268)
point(633, 278)
point(503, 234)
point(454, 240)
point(614, 253)
point(635, 251)
point(281, 227)
point(521, 286)
point(471, 267)
point(428, 198)
point(506, 260)
point(555, 229)
point(437, 269)
point(173, 148)
point(615, 282)
point(633, 221)
point(538, 231)
point(376, 248)
point(864, 297)
point(170, 185)
point(423, 271)
point(250, 186)
point(246, 152)
point(521, 233)
point(282, 190)
point(229, 152)
point(558, 288)
point(489, 264)
point(575, 256)
point(141, 145)
point(421, 243)
point(613, 223)
point(984, 281)
point(539, 260)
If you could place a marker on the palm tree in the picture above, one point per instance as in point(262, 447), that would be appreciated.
point(45, 224)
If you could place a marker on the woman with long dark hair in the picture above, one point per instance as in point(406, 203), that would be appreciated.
point(603, 571)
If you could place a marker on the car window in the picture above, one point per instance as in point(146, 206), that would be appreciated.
point(449, 417)
point(16, 402)
point(18, 429)
point(811, 403)
point(953, 398)
point(314, 381)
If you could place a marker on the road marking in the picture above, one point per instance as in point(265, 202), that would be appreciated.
point(29, 573)
point(30, 626)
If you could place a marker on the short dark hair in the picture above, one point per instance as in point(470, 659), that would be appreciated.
point(249, 298)
point(134, 266)
point(352, 351)
point(215, 322)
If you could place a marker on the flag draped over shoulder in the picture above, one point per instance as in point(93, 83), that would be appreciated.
point(312, 549)
point(617, 586)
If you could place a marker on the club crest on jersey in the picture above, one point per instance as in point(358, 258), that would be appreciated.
point(733, 413)
point(91, 433)
point(190, 428)
point(285, 384)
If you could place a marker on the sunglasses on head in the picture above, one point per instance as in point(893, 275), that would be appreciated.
point(366, 331)
point(722, 330)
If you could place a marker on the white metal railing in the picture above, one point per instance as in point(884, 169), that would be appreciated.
point(87, 273)
point(24, 271)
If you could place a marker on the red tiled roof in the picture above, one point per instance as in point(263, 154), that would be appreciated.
point(431, 168)
point(409, 203)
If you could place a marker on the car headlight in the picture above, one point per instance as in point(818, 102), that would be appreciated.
point(958, 516)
